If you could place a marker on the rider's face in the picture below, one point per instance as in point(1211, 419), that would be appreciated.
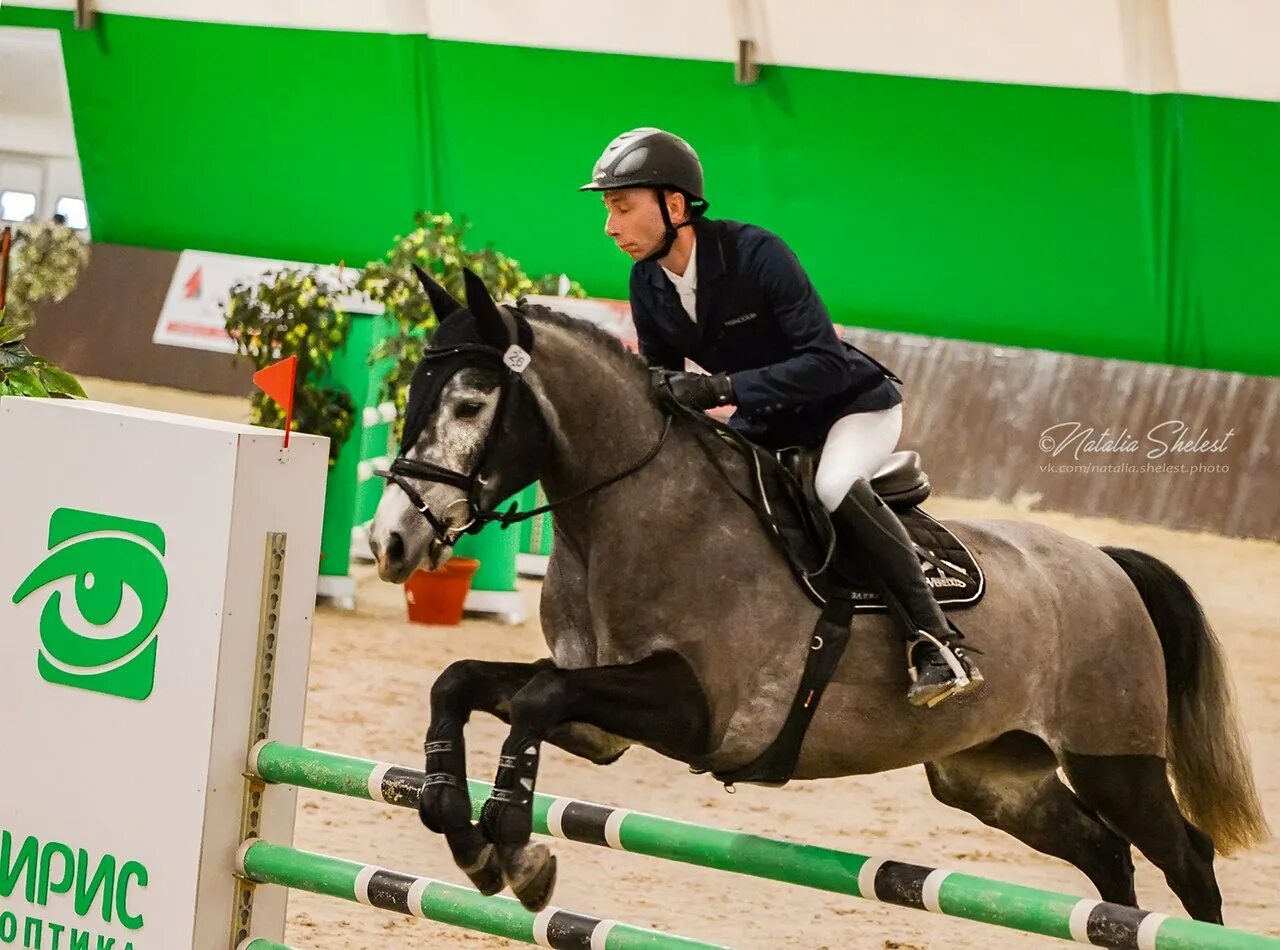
point(634, 220)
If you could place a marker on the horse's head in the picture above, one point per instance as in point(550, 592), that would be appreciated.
point(473, 432)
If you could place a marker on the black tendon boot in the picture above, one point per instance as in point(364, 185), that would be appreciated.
point(938, 667)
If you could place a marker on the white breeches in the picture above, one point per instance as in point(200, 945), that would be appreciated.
point(856, 447)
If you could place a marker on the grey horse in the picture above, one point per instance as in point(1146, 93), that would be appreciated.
point(673, 621)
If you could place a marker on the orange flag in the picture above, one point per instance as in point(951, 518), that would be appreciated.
point(277, 381)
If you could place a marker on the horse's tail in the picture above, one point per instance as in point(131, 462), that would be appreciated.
point(1206, 750)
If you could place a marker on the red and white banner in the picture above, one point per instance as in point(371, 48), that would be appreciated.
point(193, 316)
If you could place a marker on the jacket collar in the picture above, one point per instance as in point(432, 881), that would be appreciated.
point(710, 254)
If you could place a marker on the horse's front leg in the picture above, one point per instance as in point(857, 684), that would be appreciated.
point(657, 701)
point(445, 806)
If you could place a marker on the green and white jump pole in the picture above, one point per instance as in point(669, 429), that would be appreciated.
point(842, 872)
point(402, 893)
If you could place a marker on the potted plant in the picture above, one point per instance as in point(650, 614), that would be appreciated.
point(43, 262)
point(439, 596)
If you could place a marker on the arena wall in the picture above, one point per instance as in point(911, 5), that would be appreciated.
point(991, 421)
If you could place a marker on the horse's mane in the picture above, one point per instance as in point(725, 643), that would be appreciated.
point(585, 329)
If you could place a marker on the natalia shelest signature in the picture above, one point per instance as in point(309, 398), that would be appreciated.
point(1167, 438)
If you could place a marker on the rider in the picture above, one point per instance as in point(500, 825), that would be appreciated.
point(734, 298)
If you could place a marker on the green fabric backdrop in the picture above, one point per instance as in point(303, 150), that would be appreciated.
point(1091, 221)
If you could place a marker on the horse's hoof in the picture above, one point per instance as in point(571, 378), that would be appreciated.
point(486, 872)
point(531, 873)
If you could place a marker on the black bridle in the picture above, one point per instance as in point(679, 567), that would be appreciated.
point(511, 364)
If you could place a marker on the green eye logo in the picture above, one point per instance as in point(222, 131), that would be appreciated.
point(107, 556)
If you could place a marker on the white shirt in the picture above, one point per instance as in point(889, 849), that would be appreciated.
point(687, 283)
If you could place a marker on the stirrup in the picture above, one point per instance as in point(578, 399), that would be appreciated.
point(949, 655)
point(964, 676)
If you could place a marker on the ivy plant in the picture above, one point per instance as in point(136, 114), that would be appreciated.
point(44, 263)
point(438, 246)
point(293, 312)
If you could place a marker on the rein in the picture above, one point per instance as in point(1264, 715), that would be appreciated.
point(513, 516)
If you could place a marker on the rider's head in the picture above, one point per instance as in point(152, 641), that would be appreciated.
point(652, 184)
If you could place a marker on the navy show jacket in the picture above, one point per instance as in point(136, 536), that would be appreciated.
point(761, 321)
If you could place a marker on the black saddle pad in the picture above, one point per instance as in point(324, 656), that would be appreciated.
point(952, 572)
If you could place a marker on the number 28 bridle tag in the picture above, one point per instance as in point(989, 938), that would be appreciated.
point(516, 358)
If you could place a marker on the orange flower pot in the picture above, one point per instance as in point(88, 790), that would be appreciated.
point(437, 597)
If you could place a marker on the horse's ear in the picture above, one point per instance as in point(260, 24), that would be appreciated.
point(488, 321)
point(442, 301)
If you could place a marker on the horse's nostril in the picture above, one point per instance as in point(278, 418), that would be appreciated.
point(395, 547)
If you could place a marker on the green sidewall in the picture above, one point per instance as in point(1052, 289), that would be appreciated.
point(348, 501)
point(496, 550)
point(1091, 221)
point(243, 139)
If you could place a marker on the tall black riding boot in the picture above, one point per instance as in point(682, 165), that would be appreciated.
point(938, 667)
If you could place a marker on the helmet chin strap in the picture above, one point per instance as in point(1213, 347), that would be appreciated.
point(669, 238)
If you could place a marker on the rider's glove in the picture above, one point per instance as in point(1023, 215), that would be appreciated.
point(699, 391)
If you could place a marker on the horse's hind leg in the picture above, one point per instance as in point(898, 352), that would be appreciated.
point(1012, 784)
point(1132, 794)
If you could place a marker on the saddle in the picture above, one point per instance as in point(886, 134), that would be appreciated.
point(950, 569)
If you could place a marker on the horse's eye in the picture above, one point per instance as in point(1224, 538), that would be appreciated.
point(468, 410)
